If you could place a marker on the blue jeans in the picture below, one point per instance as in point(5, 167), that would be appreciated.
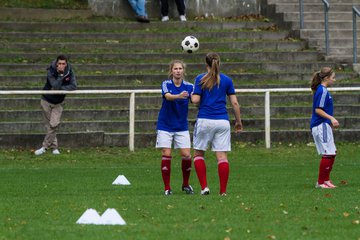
point(139, 7)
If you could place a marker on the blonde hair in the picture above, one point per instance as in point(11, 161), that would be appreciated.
point(212, 78)
point(319, 76)
point(171, 65)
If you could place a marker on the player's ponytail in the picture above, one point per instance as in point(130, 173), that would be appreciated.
point(319, 76)
point(212, 78)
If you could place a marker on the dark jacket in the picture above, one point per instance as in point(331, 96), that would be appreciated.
point(56, 82)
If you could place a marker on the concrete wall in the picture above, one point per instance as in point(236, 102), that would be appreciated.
point(216, 8)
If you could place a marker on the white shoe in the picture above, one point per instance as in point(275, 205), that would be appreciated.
point(330, 184)
point(165, 18)
point(205, 191)
point(317, 185)
point(56, 151)
point(40, 151)
point(182, 18)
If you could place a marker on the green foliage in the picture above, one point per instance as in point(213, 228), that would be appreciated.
point(64, 4)
point(271, 195)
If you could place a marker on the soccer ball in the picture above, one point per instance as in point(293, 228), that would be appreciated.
point(190, 44)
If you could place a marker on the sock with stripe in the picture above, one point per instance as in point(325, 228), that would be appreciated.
point(186, 169)
point(166, 170)
point(331, 160)
point(324, 169)
point(223, 171)
point(200, 168)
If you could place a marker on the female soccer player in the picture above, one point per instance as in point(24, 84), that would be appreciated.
point(322, 121)
point(212, 124)
point(172, 125)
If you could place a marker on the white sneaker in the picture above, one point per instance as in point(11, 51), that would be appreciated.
point(182, 18)
point(317, 185)
point(40, 151)
point(165, 18)
point(330, 184)
point(56, 151)
point(205, 191)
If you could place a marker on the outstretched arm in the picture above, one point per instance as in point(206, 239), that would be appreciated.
point(172, 97)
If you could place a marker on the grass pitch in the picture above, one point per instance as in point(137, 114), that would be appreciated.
point(271, 195)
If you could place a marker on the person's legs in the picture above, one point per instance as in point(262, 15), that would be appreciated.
point(55, 119)
point(200, 168)
point(52, 116)
point(185, 165)
point(180, 7)
point(164, 8)
point(223, 170)
point(166, 167)
point(139, 7)
point(46, 113)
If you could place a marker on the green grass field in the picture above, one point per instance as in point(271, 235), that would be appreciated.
point(271, 195)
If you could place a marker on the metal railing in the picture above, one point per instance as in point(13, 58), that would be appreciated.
point(301, 13)
point(151, 91)
point(356, 13)
point(326, 19)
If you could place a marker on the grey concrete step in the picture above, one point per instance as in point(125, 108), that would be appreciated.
point(130, 26)
point(319, 15)
point(334, 25)
point(7, 46)
point(140, 37)
point(336, 42)
point(104, 58)
point(316, 6)
point(151, 113)
point(93, 139)
point(245, 80)
point(315, 33)
point(150, 126)
point(43, 14)
point(72, 140)
point(121, 101)
point(312, 1)
point(234, 67)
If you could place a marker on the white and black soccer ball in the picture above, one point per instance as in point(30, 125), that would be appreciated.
point(190, 44)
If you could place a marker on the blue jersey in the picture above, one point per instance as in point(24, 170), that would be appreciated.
point(173, 115)
point(321, 99)
point(213, 102)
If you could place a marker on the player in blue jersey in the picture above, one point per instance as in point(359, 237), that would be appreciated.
point(212, 124)
point(322, 122)
point(172, 125)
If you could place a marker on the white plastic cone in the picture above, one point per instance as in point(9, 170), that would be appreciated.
point(121, 180)
point(111, 217)
point(90, 216)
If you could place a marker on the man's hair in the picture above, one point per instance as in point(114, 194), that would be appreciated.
point(61, 57)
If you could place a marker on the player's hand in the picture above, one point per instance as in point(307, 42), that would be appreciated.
point(238, 127)
point(184, 94)
point(335, 123)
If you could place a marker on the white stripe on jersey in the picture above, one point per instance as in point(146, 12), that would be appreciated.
point(323, 98)
point(164, 86)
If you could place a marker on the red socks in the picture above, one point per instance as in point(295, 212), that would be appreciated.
point(223, 171)
point(166, 170)
point(186, 169)
point(331, 160)
point(200, 168)
point(325, 168)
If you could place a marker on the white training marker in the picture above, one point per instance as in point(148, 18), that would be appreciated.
point(111, 217)
point(90, 216)
point(121, 180)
